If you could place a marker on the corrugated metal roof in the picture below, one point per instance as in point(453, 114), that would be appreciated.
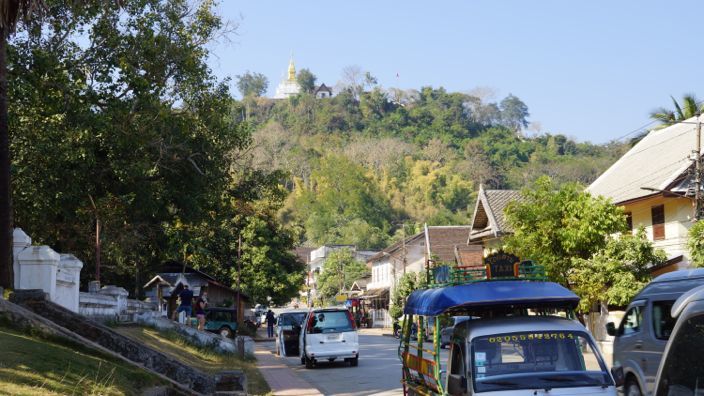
point(657, 161)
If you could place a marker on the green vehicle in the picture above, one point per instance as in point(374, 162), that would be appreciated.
point(221, 320)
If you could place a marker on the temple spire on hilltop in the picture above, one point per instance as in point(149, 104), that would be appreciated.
point(291, 70)
point(288, 86)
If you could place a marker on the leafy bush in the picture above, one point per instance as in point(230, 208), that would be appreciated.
point(695, 243)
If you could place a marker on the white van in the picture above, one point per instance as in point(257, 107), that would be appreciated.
point(329, 334)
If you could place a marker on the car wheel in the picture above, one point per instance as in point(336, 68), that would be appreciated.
point(632, 388)
point(225, 332)
point(309, 362)
point(303, 360)
point(354, 362)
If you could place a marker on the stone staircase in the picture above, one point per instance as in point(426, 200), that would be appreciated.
point(187, 379)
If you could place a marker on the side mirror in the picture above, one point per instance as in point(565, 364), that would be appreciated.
point(456, 384)
point(617, 373)
point(611, 329)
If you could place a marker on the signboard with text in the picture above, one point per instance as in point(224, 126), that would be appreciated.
point(501, 265)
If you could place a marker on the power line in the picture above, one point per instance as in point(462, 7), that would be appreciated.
point(664, 169)
point(669, 138)
point(641, 128)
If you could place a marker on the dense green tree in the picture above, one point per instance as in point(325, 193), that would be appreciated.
point(306, 79)
point(514, 113)
point(117, 116)
point(462, 138)
point(432, 188)
point(682, 111)
point(339, 272)
point(252, 84)
point(339, 200)
point(12, 12)
point(555, 225)
point(406, 284)
point(695, 243)
point(615, 274)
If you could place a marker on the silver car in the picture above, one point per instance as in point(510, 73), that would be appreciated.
point(446, 332)
point(642, 335)
point(681, 371)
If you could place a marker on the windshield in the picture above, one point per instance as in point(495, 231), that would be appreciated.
point(292, 319)
point(330, 322)
point(682, 371)
point(536, 360)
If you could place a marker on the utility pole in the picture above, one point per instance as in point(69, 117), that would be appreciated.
point(699, 205)
point(404, 246)
point(239, 271)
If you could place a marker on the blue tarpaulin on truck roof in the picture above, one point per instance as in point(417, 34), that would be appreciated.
point(479, 295)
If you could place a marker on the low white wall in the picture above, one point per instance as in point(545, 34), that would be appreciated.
point(40, 267)
point(112, 302)
point(98, 305)
point(202, 338)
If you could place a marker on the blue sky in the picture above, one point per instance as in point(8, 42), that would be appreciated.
point(592, 70)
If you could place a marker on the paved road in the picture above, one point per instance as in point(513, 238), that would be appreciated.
point(378, 373)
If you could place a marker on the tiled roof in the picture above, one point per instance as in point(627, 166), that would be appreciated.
point(657, 161)
point(443, 240)
point(396, 246)
point(498, 200)
point(469, 255)
point(488, 218)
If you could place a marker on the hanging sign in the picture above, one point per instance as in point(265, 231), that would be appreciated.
point(501, 265)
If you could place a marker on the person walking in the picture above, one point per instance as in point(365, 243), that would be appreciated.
point(270, 320)
point(186, 297)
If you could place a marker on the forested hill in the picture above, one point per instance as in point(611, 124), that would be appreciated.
point(362, 163)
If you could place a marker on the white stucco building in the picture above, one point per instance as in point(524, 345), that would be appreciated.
point(654, 183)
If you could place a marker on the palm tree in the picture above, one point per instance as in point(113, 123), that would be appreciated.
point(10, 13)
point(690, 107)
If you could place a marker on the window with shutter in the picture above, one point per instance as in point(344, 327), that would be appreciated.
point(658, 215)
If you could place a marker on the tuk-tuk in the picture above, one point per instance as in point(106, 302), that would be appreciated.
point(521, 337)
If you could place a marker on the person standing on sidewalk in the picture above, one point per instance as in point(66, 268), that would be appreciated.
point(186, 297)
point(270, 320)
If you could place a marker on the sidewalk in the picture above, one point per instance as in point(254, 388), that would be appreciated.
point(282, 380)
point(376, 331)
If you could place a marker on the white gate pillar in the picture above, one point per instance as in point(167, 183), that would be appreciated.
point(20, 242)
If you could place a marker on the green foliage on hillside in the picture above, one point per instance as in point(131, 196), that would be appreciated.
point(362, 162)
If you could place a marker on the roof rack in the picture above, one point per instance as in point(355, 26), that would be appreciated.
point(446, 275)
